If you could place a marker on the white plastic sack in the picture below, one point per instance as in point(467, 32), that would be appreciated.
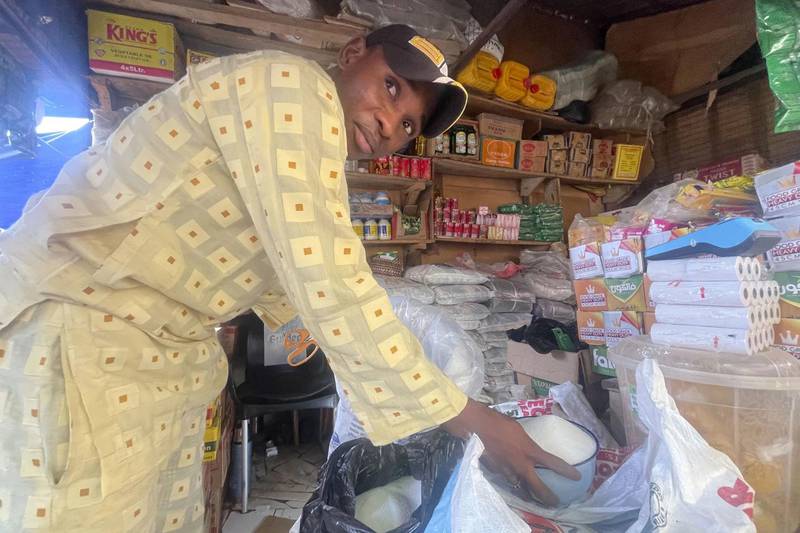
point(546, 263)
point(496, 355)
point(390, 506)
point(576, 408)
point(459, 294)
point(582, 80)
point(468, 325)
point(551, 288)
point(497, 305)
point(515, 288)
point(675, 482)
point(479, 340)
point(444, 275)
point(465, 311)
point(504, 322)
point(445, 344)
point(405, 287)
point(553, 310)
point(470, 504)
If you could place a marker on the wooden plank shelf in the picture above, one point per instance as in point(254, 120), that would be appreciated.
point(491, 241)
point(456, 167)
point(482, 103)
point(363, 180)
point(405, 242)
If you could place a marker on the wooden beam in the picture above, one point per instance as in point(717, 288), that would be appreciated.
point(257, 20)
point(497, 24)
point(682, 98)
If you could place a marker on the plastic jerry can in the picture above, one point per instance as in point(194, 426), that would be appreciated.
point(481, 72)
point(541, 93)
point(511, 85)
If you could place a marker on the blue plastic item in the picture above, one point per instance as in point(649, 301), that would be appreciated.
point(744, 237)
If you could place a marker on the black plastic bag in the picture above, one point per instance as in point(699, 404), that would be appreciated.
point(358, 466)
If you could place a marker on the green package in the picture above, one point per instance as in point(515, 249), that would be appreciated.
point(779, 37)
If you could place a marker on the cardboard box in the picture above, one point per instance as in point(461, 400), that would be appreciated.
point(545, 370)
point(649, 304)
point(531, 156)
point(601, 363)
point(580, 140)
point(785, 256)
point(557, 167)
point(626, 294)
point(787, 335)
point(579, 154)
point(651, 240)
point(491, 125)
point(623, 258)
point(576, 170)
point(498, 152)
point(627, 160)
point(586, 261)
point(621, 324)
point(556, 142)
point(132, 47)
point(603, 147)
point(193, 57)
point(591, 327)
point(648, 318)
point(559, 155)
point(599, 173)
point(602, 160)
point(590, 294)
point(789, 287)
point(532, 148)
point(747, 165)
point(778, 190)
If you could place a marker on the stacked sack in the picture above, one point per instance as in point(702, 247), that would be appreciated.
point(718, 304)
point(549, 276)
point(468, 297)
point(541, 222)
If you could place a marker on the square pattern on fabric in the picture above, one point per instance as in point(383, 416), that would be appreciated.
point(378, 312)
point(393, 349)
point(173, 134)
point(298, 207)
point(361, 283)
point(331, 172)
point(320, 294)
point(337, 332)
point(287, 117)
point(291, 164)
point(347, 251)
point(306, 251)
point(284, 75)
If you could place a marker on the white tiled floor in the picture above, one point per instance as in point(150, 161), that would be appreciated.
point(281, 489)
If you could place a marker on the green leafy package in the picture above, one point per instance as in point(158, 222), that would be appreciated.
point(779, 37)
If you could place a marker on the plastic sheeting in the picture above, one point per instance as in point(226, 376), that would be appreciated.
point(459, 294)
point(443, 19)
point(406, 288)
point(444, 275)
point(465, 311)
point(504, 322)
point(582, 80)
point(627, 104)
point(553, 310)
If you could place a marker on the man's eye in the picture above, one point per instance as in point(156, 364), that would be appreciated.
point(391, 87)
point(408, 126)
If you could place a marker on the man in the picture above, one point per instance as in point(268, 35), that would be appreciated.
point(224, 193)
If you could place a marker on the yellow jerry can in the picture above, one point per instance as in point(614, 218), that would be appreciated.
point(541, 93)
point(511, 85)
point(481, 72)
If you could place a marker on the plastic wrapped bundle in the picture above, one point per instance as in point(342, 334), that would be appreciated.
point(504, 322)
point(553, 310)
point(469, 325)
point(515, 288)
point(495, 339)
point(444, 275)
point(496, 356)
point(479, 340)
point(441, 19)
point(497, 305)
point(465, 312)
point(627, 104)
point(459, 294)
point(582, 80)
point(548, 264)
point(551, 288)
point(406, 288)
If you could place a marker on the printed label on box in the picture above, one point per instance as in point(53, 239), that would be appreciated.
point(591, 294)
point(787, 335)
point(586, 262)
point(622, 259)
point(627, 161)
point(789, 287)
point(591, 328)
point(785, 256)
point(621, 324)
point(601, 363)
point(625, 294)
point(779, 191)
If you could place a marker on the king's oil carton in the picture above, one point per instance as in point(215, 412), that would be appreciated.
point(591, 328)
point(789, 287)
point(621, 324)
point(601, 363)
point(623, 258)
point(132, 47)
point(591, 294)
point(779, 190)
point(625, 294)
point(585, 261)
point(785, 256)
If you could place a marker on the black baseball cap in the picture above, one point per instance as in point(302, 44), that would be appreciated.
point(415, 58)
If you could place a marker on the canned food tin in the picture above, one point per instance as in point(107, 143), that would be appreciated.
point(406, 166)
point(449, 229)
point(415, 167)
point(397, 165)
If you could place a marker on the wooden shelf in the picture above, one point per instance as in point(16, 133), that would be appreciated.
point(481, 103)
point(489, 241)
point(380, 181)
point(396, 242)
point(466, 168)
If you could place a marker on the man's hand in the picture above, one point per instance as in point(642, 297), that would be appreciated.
point(509, 449)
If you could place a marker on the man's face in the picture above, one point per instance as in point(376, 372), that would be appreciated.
point(382, 111)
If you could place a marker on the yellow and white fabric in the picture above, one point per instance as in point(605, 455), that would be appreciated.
point(225, 192)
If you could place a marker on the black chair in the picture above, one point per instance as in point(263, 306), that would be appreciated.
point(270, 389)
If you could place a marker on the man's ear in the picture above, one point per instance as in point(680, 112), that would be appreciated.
point(352, 52)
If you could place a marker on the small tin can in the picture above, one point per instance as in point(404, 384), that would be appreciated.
point(476, 231)
point(449, 229)
point(484, 231)
point(425, 168)
point(455, 203)
point(455, 215)
point(437, 228)
point(406, 165)
point(397, 165)
point(446, 214)
point(458, 230)
point(414, 167)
